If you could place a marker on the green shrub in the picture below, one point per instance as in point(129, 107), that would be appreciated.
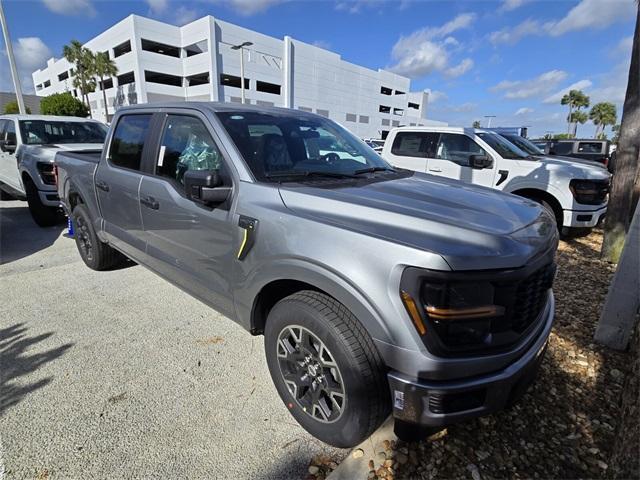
point(63, 104)
point(12, 107)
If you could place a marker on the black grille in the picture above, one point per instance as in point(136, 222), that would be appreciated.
point(531, 295)
point(456, 402)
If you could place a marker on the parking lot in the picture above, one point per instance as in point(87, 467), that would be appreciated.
point(119, 374)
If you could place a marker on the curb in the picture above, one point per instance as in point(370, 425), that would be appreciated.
point(356, 464)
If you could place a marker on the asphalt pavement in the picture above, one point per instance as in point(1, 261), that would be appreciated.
point(121, 375)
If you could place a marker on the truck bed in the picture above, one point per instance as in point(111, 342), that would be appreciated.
point(75, 173)
point(92, 156)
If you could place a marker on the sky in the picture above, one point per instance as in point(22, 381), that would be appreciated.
point(510, 58)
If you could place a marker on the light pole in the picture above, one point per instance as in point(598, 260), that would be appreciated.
point(12, 62)
point(489, 122)
point(241, 48)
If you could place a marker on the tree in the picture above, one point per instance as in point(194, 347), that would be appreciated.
point(603, 114)
point(576, 99)
point(578, 117)
point(616, 133)
point(84, 60)
point(621, 200)
point(63, 104)
point(103, 67)
point(12, 107)
point(476, 124)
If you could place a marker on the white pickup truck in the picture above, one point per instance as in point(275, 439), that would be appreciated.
point(575, 193)
point(28, 145)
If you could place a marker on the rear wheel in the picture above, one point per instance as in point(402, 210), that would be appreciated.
point(326, 368)
point(96, 254)
point(42, 214)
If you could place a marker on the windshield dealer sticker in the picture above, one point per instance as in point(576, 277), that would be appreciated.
point(161, 156)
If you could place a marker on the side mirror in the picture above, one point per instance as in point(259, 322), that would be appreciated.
point(480, 161)
point(7, 146)
point(205, 186)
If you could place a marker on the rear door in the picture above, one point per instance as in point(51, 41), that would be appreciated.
point(410, 150)
point(117, 182)
point(190, 244)
point(9, 173)
point(451, 159)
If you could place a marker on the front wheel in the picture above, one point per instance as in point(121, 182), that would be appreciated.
point(326, 368)
point(42, 214)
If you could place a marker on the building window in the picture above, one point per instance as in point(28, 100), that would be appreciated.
point(75, 92)
point(161, 48)
point(63, 76)
point(235, 99)
point(196, 48)
point(305, 109)
point(162, 78)
point(324, 113)
point(121, 49)
point(385, 109)
point(351, 117)
point(108, 83)
point(364, 119)
point(39, 86)
point(262, 103)
point(47, 84)
point(267, 87)
point(233, 81)
point(386, 122)
point(385, 91)
point(125, 78)
point(413, 105)
point(198, 79)
point(398, 92)
point(395, 123)
point(398, 111)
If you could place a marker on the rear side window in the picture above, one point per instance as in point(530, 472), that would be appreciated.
point(128, 141)
point(590, 147)
point(414, 144)
point(561, 148)
point(457, 148)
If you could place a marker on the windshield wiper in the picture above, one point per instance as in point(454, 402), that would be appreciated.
point(374, 169)
point(307, 173)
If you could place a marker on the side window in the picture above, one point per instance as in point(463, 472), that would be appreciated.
point(590, 147)
point(458, 148)
point(414, 144)
point(10, 133)
point(2, 125)
point(561, 148)
point(128, 141)
point(186, 145)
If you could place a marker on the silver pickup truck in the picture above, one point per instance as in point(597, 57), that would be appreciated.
point(28, 145)
point(377, 289)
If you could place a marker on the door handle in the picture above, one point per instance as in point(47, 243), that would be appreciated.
point(102, 186)
point(150, 202)
point(435, 169)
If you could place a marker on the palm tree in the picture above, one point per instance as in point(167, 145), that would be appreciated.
point(103, 67)
point(603, 114)
point(575, 99)
point(83, 60)
point(476, 124)
point(622, 202)
point(578, 117)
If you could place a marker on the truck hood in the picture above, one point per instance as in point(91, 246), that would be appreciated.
point(47, 152)
point(579, 161)
point(578, 168)
point(472, 228)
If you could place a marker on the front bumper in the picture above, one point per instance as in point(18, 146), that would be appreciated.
point(583, 218)
point(49, 198)
point(440, 403)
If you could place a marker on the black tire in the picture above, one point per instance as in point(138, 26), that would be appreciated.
point(359, 371)
point(95, 254)
point(43, 215)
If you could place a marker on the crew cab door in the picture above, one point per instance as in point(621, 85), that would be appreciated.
point(451, 158)
point(191, 244)
point(9, 173)
point(117, 183)
point(410, 150)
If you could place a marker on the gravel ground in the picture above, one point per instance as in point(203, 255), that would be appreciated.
point(564, 427)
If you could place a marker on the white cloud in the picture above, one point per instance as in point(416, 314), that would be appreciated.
point(509, 5)
point(579, 85)
point(436, 96)
point(612, 86)
point(540, 85)
point(624, 46)
point(464, 107)
point(31, 54)
point(513, 35)
point(592, 14)
point(157, 7)
point(71, 7)
point(524, 111)
point(184, 15)
point(250, 7)
point(322, 44)
point(425, 51)
point(460, 69)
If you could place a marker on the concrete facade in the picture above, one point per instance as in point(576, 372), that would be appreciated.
point(32, 102)
point(161, 62)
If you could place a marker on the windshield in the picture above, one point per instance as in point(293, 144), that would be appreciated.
point(35, 132)
point(279, 145)
point(503, 147)
point(524, 144)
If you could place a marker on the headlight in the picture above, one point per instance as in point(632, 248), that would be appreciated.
point(589, 192)
point(539, 230)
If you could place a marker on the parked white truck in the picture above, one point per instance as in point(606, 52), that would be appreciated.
point(575, 193)
point(28, 145)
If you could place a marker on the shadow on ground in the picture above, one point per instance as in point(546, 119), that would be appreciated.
point(28, 239)
point(16, 362)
